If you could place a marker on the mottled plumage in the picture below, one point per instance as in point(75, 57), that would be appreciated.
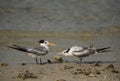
point(81, 52)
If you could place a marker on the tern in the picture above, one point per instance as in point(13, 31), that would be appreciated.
point(36, 52)
point(82, 52)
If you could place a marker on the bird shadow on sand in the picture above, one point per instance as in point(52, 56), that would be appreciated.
point(88, 62)
point(91, 62)
point(103, 62)
point(74, 62)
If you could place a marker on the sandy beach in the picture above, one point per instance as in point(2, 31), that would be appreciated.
point(61, 72)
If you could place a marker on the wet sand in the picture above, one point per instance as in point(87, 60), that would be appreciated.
point(61, 72)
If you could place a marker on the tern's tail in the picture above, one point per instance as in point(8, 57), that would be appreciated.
point(18, 48)
point(106, 49)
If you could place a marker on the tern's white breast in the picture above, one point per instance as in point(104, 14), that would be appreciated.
point(32, 55)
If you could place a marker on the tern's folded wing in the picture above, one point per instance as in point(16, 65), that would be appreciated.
point(38, 51)
point(81, 53)
point(77, 49)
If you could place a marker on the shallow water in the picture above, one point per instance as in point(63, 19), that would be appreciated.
point(58, 15)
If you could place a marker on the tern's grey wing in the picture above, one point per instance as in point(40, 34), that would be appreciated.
point(38, 51)
point(79, 49)
point(81, 52)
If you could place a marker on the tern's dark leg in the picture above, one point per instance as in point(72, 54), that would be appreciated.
point(40, 61)
point(80, 60)
point(36, 60)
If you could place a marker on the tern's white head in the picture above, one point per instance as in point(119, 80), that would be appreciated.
point(66, 52)
point(45, 43)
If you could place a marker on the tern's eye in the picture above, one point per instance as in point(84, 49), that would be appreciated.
point(65, 52)
point(45, 42)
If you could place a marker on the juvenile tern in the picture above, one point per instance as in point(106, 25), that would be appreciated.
point(82, 52)
point(36, 52)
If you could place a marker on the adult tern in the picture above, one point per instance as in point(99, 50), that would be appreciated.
point(36, 52)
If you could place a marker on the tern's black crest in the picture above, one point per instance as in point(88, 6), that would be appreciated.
point(41, 41)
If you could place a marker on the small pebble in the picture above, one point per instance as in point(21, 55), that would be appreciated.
point(3, 64)
point(58, 59)
point(97, 63)
point(49, 61)
point(110, 66)
point(115, 71)
point(68, 67)
point(97, 72)
point(61, 80)
point(91, 75)
point(23, 64)
point(26, 75)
